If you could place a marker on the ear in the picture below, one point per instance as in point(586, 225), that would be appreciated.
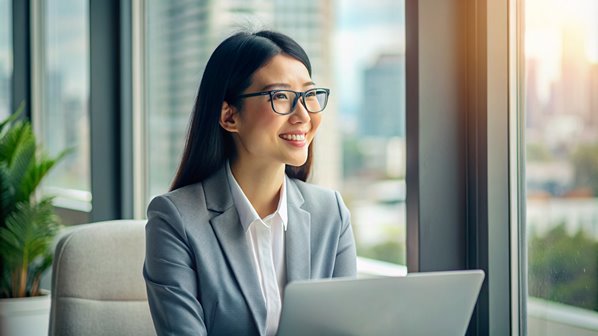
point(228, 118)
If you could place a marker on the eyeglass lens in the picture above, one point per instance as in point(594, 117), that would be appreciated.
point(285, 102)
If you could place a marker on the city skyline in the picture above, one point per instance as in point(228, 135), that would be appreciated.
point(572, 92)
point(546, 34)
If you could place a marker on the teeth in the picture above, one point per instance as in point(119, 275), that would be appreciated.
point(293, 137)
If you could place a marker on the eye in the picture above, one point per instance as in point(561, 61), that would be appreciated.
point(310, 94)
point(280, 96)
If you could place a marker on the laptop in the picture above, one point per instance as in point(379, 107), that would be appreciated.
point(433, 303)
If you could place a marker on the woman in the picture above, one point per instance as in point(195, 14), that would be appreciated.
point(240, 222)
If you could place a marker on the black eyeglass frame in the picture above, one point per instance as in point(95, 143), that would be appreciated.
point(298, 94)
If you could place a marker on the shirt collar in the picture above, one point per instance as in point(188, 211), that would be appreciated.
point(247, 213)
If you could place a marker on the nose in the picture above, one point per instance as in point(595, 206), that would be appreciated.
point(300, 114)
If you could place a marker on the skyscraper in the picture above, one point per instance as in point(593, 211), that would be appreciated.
point(383, 110)
point(593, 123)
point(574, 72)
point(534, 106)
point(176, 51)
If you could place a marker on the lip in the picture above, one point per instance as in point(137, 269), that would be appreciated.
point(295, 132)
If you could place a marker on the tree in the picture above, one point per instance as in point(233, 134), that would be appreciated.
point(537, 152)
point(563, 268)
point(585, 160)
point(352, 156)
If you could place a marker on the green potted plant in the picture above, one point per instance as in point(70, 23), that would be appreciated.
point(28, 225)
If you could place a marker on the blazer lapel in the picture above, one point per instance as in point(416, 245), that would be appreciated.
point(234, 244)
point(297, 238)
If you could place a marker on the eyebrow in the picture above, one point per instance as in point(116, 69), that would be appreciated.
point(283, 86)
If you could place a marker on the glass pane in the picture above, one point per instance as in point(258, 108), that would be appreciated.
point(176, 36)
point(369, 60)
point(561, 108)
point(5, 57)
point(64, 109)
point(358, 51)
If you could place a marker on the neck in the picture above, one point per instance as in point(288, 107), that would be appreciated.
point(261, 184)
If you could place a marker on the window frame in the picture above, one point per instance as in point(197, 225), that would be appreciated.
point(110, 84)
point(459, 161)
point(517, 170)
point(21, 60)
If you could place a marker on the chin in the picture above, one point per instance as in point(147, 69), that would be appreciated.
point(297, 162)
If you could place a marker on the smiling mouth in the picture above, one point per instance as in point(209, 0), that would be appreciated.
point(293, 137)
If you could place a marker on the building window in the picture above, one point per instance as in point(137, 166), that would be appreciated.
point(5, 58)
point(62, 110)
point(561, 141)
point(358, 53)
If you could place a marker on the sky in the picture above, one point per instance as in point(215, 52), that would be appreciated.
point(545, 21)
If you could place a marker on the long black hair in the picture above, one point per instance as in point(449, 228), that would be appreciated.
point(227, 74)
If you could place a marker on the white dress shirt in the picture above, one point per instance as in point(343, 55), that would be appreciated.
point(266, 239)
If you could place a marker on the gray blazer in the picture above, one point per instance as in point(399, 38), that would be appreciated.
point(198, 269)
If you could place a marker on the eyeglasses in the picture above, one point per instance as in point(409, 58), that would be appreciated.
point(285, 101)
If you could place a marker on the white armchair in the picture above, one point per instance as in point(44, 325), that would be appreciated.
point(97, 284)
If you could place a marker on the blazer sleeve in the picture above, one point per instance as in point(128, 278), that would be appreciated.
point(170, 274)
point(345, 264)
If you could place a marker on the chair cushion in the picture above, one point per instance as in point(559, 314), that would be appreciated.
point(102, 318)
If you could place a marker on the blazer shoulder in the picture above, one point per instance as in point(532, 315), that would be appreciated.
point(179, 206)
point(318, 197)
point(310, 188)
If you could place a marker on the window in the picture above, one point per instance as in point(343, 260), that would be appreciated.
point(63, 97)
point(358, 53)
point(5, 58)
point(561, 142)
point(369, 58)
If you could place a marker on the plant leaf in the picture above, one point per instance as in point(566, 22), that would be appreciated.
point(28, 233)
point(35, 174)
point(22, 161)
point(13, 116)
point(7, 192)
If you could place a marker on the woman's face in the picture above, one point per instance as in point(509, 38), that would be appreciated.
point(264, 137)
